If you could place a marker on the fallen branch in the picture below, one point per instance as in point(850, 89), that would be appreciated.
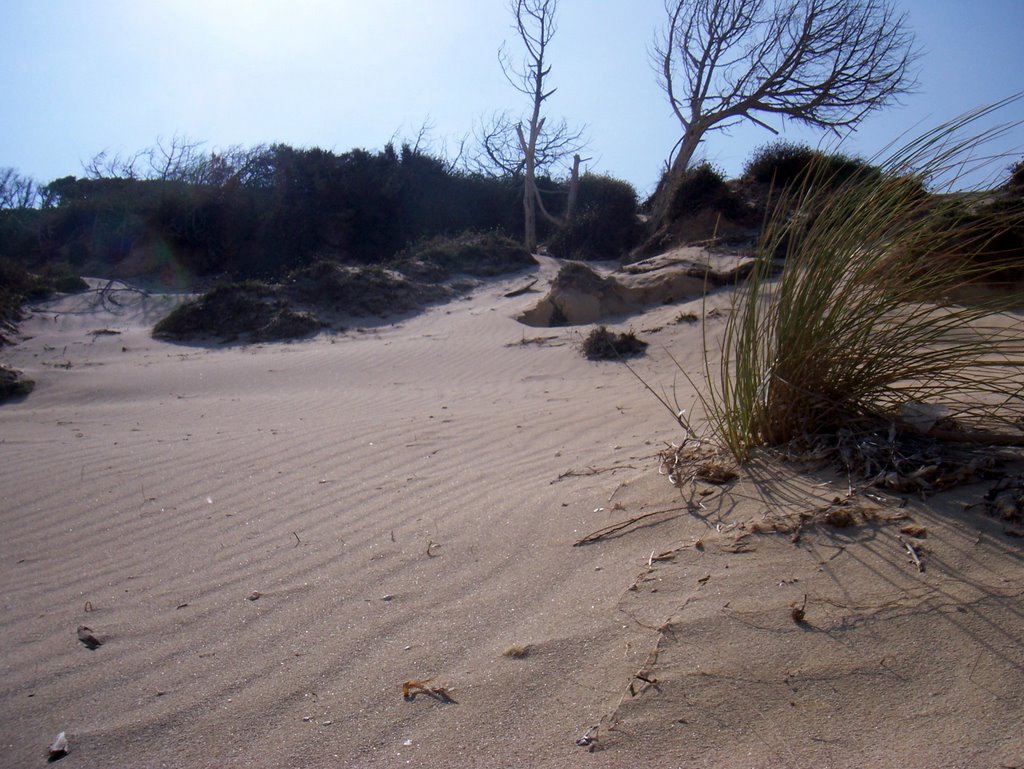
point(615, 528)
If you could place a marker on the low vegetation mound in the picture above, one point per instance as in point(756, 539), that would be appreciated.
point(328, 287)
point(12, 385)
point(480, 254)
point(705, 208)
point(782, 163)
point(18, 285)
point(315, 296)
point(1016, 180)
point(232, 311)
point(576, 276)
point(602, 344)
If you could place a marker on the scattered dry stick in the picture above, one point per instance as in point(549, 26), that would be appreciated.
point(592, 471)
point(615, 528)
point(616, 490)
point(913, 554)
point(413, 686)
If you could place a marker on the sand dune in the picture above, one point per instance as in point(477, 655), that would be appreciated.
point(270, 539)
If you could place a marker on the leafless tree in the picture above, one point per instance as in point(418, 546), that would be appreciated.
point(823, 63)
point(531, 145)
point(425, 144)
point(182, 160)
point(17, 191)
point(103, 165)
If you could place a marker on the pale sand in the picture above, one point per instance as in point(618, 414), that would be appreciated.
point(160, 486)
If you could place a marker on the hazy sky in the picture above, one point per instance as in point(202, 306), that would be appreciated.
point(81, 76)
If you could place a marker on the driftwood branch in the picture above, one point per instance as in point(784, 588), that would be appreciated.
point(521, 291)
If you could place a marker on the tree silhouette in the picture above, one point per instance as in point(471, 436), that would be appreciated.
point(823, 63)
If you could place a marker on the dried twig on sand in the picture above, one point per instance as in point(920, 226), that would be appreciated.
point(913, 554)
point(695, 461)
point(615, 528)
point(574, 473)
point(414, 686)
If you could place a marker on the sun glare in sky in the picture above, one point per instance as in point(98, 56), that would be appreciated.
point(117, 75)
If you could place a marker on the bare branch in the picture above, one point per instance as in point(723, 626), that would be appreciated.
point(827, 63)
point(17, 191)
point(824, 63)
point(531, 145)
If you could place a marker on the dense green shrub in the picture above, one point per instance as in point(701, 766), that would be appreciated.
point(605, 225)
point(61, 277)
point(278, 209)
point(702, 186)
point(783, 162)
point(1016, 180)
point(482, 254)
point(19, 234)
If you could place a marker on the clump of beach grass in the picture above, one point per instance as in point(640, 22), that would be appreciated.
point(602, 344)
point(860, 322)
point(516, 651)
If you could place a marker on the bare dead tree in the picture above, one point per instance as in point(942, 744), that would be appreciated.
point(823, 63)
point(531, 145)
point(180, 160)
point(103, 165)
point(17, 191)
point(425, 144)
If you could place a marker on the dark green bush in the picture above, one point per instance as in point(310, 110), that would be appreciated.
point(1016, 180)
point(703, 186)
point(17, 286)
point(783, 162)
point(605, 225)
point(482, 254)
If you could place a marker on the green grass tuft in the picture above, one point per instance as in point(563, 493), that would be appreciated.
point(861, 322)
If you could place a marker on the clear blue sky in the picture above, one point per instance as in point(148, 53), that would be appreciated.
point(81, 76)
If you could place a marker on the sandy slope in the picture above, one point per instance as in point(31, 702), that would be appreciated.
point(394, 496)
